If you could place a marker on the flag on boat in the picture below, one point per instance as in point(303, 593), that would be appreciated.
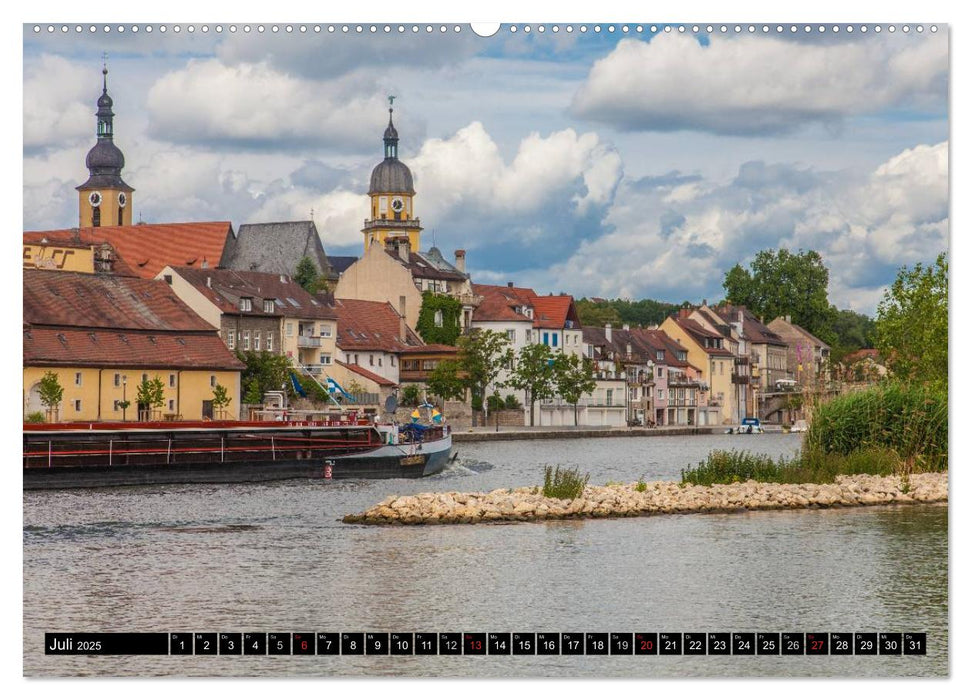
point(415, 416)
point(334, 388)
point(436, 415)
point(296, 385)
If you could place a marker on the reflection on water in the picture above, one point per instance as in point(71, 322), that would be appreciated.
point(274, 557)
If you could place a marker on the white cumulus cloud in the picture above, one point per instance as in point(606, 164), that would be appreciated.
point(760, 84)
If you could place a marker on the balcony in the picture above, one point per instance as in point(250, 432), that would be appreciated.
point(307, 341)
point(469, 299)
point(684, 382)
point(740, 379)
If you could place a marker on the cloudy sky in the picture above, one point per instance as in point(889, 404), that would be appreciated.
point(608, 164)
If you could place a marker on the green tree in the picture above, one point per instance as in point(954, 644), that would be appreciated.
point(271, 372)
point(482, 354)
point(781, 283)
point(446, 381)
point(220, 397)
point(573, 377)
point(852, 331)
point(51, 392)
point(308, 276)
point(253, 395)
point(911, 325)
point(438, 320)
point(533, 373)
point(151, 393)
point(597, 314)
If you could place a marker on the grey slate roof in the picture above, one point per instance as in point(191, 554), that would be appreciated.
point(276, 248)
point(339, 263)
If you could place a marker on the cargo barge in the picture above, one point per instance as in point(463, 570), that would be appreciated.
point(77, 455)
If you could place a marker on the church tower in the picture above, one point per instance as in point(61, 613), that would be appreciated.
point(104, 199)
point(392, 195)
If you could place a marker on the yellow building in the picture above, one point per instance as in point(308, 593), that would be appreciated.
point(104, 199)
point(706, 351)
point(103, 334)
point(392, 193)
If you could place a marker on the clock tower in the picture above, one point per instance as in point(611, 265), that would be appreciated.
point(104, 199)
point(392, 193)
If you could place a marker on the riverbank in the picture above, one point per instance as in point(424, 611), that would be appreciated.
point(487, 433)
point(655, 498)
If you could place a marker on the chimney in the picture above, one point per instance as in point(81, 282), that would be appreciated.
point(509, 284)
point(684, 313)
point(608, 333)
point(626, 326)
point(460, 260)
point(404, 249)
point(209, 282)
point(741, 317)
point(402, 330)
point(788, 318)
point(704, 302)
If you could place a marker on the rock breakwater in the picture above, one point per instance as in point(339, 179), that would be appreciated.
point(655, 498)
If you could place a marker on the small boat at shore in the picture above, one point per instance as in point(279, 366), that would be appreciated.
point(74, 455)
point(749, 426)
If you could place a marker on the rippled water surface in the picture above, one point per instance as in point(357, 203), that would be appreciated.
point(274, 557)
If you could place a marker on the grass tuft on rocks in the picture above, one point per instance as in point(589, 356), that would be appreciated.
point(563, 483)
point(813, 467)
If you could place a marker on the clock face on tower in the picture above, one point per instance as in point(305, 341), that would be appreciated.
point(122, 199)
point(95, 199)
point(397, 204)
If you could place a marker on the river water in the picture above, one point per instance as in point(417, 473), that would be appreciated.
point(274, 557)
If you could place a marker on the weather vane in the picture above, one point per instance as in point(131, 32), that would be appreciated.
point(391, 100)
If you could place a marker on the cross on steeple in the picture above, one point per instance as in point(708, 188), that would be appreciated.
point(104, 69)
point(391, 99)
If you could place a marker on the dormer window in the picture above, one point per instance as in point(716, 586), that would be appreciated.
point(268, 306)
point(245, 304)
point(659, 355)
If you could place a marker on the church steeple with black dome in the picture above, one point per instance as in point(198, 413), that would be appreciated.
point(104, 199)
point(392, 193)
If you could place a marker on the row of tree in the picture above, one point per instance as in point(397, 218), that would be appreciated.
point(535, 370)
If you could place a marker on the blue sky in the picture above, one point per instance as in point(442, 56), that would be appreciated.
point(608, 164)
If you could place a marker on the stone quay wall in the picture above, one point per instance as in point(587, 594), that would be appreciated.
point(659, 497)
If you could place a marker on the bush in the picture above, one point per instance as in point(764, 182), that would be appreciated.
point(910, 419)
point(35, 417)
point(410, 395)
point(563, 483)
point(496, 403)
point(512, 402)
point(813, 467)
point(641, 486)
point(476, 403)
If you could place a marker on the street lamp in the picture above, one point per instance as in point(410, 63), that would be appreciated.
point(124, 399)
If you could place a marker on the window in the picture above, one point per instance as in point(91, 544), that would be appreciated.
point(171, 404)
point(268, 306)
point(392, 360)
point(117, 380)
point(290, 329)
point(77, 379)
point(269, 341)
point(439, 318)
point(231, 340)
point(245, 340)
point(660, 394)
point(529, 336)
point(116, 407)
point(144, 377)
point(371, 360)
point(325, 331)
point(357, 360)
point(555, 338)
point(511, 334)
point(379, 361)
point(429, 365)
point(660, 372)
point(171, 380)
point(721, 368)
point(257, 341)
point(546, 338)
point(96, 216)
point(610, 397)
point(167, 278)
point(212, 380)
point(77, 405)
point(324, 359)
point(245, 304)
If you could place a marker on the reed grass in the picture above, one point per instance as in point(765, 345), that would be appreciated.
point(563, 483)
point(728, 467)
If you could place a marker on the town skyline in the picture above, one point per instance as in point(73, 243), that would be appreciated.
point(552, 192)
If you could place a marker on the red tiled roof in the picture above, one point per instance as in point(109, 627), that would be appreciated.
point(102, 348)
point(118, 267)
point(861, 354)
point(76, 299)
point(367, 374)
point(755, 331)
point(499, 303)
point(225, 287)
point(147, 248)
point(371, 325)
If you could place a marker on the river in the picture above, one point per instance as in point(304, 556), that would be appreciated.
point(274, 557)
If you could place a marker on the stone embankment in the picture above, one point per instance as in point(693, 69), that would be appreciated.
point(656, 498)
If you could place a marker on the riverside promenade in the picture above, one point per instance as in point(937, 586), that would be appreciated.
point(655, 498)
point(488, 433)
